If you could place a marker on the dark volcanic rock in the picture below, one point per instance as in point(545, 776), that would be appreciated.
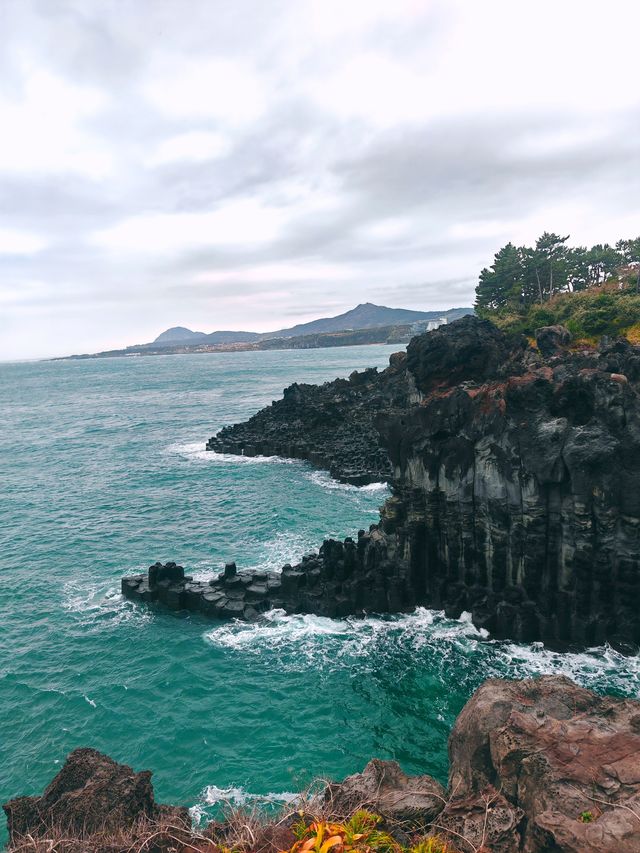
point(536, 766)
point(518, 497)
point(551, 339)
point(330, 425)
point(91, 793)
point(469, 350)
point(516, 487)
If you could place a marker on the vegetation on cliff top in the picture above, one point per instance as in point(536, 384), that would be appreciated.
point(592, 291)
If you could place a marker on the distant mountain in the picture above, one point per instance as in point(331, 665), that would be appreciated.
point(364, 316)
point(231, 337)
point(179, 335)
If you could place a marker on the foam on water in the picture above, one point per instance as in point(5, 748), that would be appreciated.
point(296, 642)
point(196, 451)
point(235, 797)
point(322, 479)
point(301, 640)
point(100, 606)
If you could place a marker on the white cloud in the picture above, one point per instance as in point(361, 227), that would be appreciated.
point(197, 146)
point(299, 271)
point(199, 152)
point(42, 127)
point(242, 222)
point(373, 88)
point(15, 242)
point(206, 88)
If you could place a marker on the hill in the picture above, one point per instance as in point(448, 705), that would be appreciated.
point(365, 324)
point(181, 335)
point(363, 316)
point(366, 316)
point(178, 335)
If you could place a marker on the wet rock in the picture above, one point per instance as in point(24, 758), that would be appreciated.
point(515, 481)
point(331, 425)
point(536, 766)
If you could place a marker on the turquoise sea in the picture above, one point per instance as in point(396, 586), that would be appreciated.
point(102, 472)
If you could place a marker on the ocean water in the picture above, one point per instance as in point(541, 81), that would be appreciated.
point(102, 472)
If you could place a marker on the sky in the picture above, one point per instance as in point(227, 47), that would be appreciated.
point(253, 164)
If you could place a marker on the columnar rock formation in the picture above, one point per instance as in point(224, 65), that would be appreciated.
point(515, 477)
point(536, 766)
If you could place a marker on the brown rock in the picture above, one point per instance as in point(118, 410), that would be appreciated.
point(568, 758)
point(485, 821)
point(91, 793)
point(385, 789)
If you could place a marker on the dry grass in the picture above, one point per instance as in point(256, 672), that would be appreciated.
point(243, 830)
point(142, 837)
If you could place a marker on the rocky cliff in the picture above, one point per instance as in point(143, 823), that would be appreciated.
point(515, 477)
point(536, 766)
point(331, 425)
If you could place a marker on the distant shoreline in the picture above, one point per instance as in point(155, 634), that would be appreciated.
point(359, 337)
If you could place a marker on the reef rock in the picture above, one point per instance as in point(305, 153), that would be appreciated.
point(331, 425)
point(90, 794)
point(535, 766)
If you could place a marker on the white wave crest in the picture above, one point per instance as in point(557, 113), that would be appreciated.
point(283, 548)
point(196, 451)
point(594, 667)
point(422, 638)
point(302, 640)
point(100, 605)
point(236, 797)
point(321, 478)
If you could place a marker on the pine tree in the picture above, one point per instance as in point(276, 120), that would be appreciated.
point(500, 285)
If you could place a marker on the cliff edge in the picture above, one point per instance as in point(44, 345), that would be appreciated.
point(515, 478)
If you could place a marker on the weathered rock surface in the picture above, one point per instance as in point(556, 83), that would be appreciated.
point(563, 757)
point(515, 486)
point(90, 794)
point(383, 788)
point(517, 489)
point(536, 766)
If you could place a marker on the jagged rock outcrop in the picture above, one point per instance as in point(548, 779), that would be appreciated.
point(331, 425)
point(517, 488)
point(566, 760)
point(535, 766)
point(515, 485)
point(92, 793)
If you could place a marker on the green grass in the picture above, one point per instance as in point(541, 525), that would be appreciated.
point(607, 310)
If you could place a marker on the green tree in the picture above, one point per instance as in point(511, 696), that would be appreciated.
point(501, 285)
point(630, 252)
point(550, 264)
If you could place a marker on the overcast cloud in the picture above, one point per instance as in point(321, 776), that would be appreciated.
point(252, 164)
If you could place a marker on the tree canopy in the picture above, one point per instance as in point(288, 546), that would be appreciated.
point(522, 276)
